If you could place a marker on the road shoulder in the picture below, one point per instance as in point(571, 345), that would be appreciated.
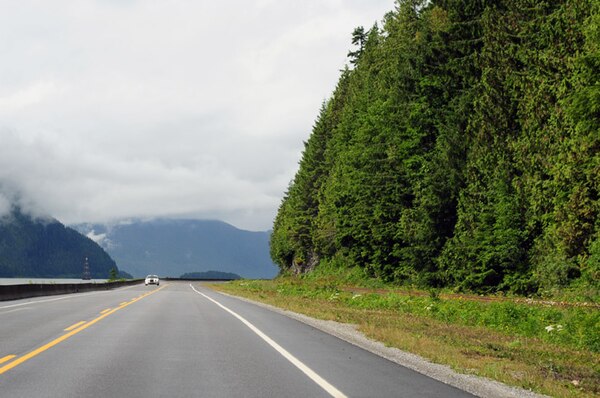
point(475, 385)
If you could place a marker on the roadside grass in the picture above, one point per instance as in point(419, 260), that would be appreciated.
point(550, 349)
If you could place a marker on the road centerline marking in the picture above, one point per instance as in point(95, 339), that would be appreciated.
point(7, 358)
point(74, 326)
point(105, 311)
point(65, 336)
point(321, 382)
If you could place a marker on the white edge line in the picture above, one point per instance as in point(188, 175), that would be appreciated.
point(324, 384)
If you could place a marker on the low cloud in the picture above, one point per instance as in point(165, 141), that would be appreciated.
point(5, 205)
point(113, 109)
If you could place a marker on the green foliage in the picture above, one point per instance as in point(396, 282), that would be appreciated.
point(462, 150)
point(113, 274)
point(564, 325)
point(574, 327)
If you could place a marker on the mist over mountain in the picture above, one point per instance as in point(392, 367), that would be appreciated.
point(34, 247)
point(170, 247)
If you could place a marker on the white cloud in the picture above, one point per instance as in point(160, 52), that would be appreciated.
point(35, 93)
point(98, 238)
point(116, 109)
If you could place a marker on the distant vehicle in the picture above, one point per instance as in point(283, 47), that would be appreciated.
point(152, 280)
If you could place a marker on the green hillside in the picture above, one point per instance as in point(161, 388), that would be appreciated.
point(35, 248)
point(461, 149)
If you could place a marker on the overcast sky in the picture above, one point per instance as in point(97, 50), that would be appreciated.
point(117, 109)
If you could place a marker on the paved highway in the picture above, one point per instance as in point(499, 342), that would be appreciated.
point(184, 340)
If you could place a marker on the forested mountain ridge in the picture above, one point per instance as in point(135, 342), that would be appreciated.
point(462, 149)
point(45, 248)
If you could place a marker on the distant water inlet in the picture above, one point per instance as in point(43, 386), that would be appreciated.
point(48, 281)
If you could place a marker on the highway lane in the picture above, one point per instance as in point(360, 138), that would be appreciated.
point(182, 340)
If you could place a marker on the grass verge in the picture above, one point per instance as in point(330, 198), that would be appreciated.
point(550, 349)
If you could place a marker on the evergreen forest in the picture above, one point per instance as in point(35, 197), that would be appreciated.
point(460, 149)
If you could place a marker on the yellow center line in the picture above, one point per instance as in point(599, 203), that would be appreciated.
point(124, 303)
point(74, 326)
point(7, 358)
point(65, 336)
point(105, 311)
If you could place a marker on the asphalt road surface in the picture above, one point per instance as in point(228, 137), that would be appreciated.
point(184, 340)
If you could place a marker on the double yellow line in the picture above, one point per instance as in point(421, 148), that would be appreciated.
point(72, 330)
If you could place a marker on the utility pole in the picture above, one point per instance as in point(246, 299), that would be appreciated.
point(87, 275)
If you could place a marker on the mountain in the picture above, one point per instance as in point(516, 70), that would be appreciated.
point(45, 248)
point(170, 247)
